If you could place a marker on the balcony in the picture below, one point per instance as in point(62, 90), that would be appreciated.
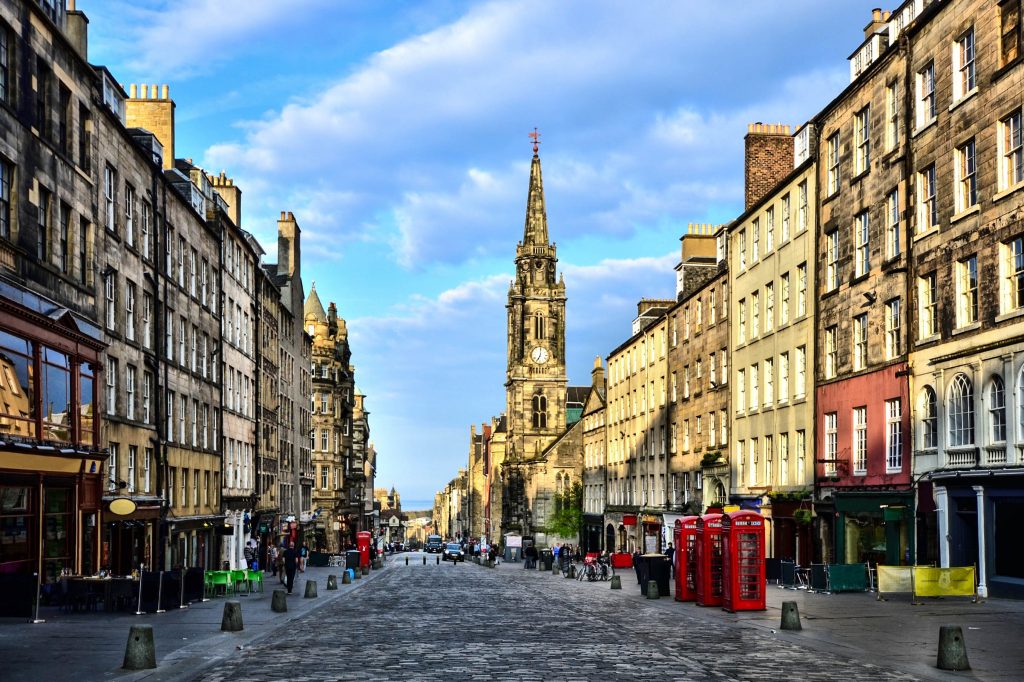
point(996, 455)
point(964, 458)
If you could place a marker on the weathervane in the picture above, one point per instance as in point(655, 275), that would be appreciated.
point(535, 136)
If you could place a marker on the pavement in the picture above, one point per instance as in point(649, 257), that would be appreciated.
point(465, 621)
point(91, 646)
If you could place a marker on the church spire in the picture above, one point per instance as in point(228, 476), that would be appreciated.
point(536, 231)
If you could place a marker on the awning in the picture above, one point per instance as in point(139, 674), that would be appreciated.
point(670, 519)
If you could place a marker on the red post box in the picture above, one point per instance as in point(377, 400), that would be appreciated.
point(743, 576)
point(363, 545)
point(709, 560)
point(686, 558)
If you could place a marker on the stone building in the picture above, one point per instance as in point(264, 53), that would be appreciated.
point(494, 454)
point(50, 430)
point(864, 495)
point(595, 537)
point(772, 293)
point(331, 427)
point(268, 406)
point(698, 366)
point(477, 472)
point(357, 472)
point(638, 428)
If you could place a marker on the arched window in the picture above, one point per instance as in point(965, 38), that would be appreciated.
point(538, 325)
point(540, 412)
point(997, 410)
point(961, 411)
point(928, 406)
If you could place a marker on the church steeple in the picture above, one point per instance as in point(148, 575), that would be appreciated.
point(536, 230)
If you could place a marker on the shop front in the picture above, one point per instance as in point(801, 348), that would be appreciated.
point(650, 533)
point(789, 528)
point(130, 537)
point(592, 535)
point(876, 527)
point(195, 541)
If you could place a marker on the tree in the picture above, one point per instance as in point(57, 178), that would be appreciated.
point(567, 521)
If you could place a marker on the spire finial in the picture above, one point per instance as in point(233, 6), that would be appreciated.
point(535, 136)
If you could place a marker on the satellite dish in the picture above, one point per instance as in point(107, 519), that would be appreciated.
point(122, 506)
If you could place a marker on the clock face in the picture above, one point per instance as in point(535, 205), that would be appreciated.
point(539, 355)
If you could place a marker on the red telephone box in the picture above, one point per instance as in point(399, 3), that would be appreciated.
point(709, 560)
point(743, 576)
point(686, 558)
point(363, 545)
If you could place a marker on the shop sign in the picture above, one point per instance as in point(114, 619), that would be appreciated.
point(629, 519)
point(122, 506)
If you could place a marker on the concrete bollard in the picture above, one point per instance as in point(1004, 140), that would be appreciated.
point(357, 573)
point(310, 589)
point(346, 577)
point(554, 568)
point(231, 621)
point(332, 582)
point(652, 589)
point(424, 561)
point(616, 582)
point(406, 561)
point(790, 616)
point(140, 653)
point(437, 561)
point(378, 564)
point(952, 649)
point(279, 601)
point(572, 572)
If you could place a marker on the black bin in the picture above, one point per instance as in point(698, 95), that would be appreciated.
point(548, 558)
point(352, 559)
point(656, 567)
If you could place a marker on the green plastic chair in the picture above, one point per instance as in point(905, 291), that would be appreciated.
point(217, 579)
point(255, 578)
point(239, 577)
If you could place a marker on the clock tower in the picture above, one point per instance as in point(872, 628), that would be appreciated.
point(535, 385)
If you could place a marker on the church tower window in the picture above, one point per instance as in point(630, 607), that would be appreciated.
point(539, 326)
point(540, 412)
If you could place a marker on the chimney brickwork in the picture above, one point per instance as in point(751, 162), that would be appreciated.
point(768, 158)
point(152, 109)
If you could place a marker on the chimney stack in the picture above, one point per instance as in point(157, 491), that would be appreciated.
point(597, 374)
point(878, 21)
point(77, 29)
point(288, 253)
point(153, 110)
point(230, 193)
point(768, 158)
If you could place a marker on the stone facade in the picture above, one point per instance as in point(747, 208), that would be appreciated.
point(595, 464)
point(768, 156)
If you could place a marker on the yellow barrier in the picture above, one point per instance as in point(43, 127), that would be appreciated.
point(892, 579)
point(957, 581)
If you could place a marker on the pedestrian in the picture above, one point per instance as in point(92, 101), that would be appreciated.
point(247, 553)
point(671, 554)
point(303, 557)
point(291, 558)
point(272, 559)
point(636, 564)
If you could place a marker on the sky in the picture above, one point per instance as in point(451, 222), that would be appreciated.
point(396, 132)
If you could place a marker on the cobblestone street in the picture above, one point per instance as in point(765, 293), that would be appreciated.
point(466, 622)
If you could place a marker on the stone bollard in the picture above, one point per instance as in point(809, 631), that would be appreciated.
point(952, 649)
point(140, 653)
point(378, 564)
point(616, 582)
point(231, 621)
point(790, 616)
point(406, 561)
point(357, 572)
point(437, 561)
point(366, 570)
point(652, 589)
point(554, 568)
point(332, 582)
point(346, 577)
point(572, 572)
point(279, 601)
point(310, 589)
point(424, 561)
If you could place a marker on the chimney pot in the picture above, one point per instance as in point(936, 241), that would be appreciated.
point(133, 91)
point(165, 92)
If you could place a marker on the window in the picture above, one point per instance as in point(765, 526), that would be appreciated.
point(893, 436)
point(784, 236)
point(784, 377)
point(926, 95)
point(147, 465)
point(966, 177)
point(801, 207)
point(145, 231)
point(831, 351)
point(892, 224)
point(129, 215)
point(712, 374)
point(1011, 151)
point(862, 257)
point(112, 477)
point(1012, 266)
point(893, 339)
point(961, 412)
point(860, 341)
point(927, 209)
point(784, 302)
point(892, 116)
point(743, 320)
point(832, 157)
point(784, 458)
point(64, 238)
point(722, 362)
point(181, 341)
point(110, 295)
point(43, 219)
point(963, 65)
point(147, 390)
point(43, 100)
point(540, 412)
point(112, 386)
point(193, 256)
point(171, 475)
point(6, 65)
point(755, 314)
point(929, 419)
point(181, 261)
point(84, 137)
point(183, 408)
point(147, 320)
point(996, 410)
point(1009, 31)
point(832, 260)
point(801, 372)
point(967, 291)
point(686, 382)
point(860, 441)
point(769, 382)
point(109, 189)
point(170, 416)
point(831, 443)
point(769, 306)
point(741, 389)
point(926, 297)
point(862, 140)
point(129, 385)
point(769, 229)
point(769, 454)
point(712, 312)
point(753, 462)
point(129, 311)
point(801, 290)
point(742, 250)
point(169, 334)
point(6, 178)
point(753, 387)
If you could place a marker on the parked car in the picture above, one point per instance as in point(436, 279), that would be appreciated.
point(453, 551)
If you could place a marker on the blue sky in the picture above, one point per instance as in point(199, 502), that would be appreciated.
point(397, 134)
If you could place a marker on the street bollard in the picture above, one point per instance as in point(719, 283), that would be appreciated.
point(406, 561)
point(790, 616)
point(437, 561)
point(424, 561)
point(140, 653)
point(554, 568)
point(346, 577)
point(357, 573)
point(231, 621)
point(616, 582)
point(652, 589)
point(571, 572)
point(366, 570)
point(310, 589)
point(279, 601)
point(952, 649)
point(378, 564)
point(332, 582)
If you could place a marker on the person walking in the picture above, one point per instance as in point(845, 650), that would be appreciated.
point(303, 556)
point(272, 559)
point(291, 559)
